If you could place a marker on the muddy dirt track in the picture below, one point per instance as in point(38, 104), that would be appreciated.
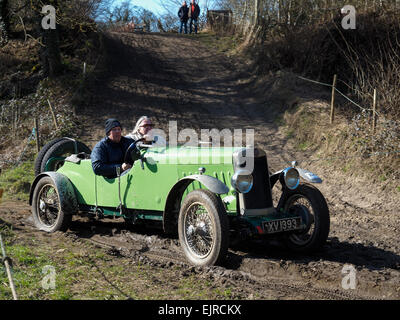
point(172, 78)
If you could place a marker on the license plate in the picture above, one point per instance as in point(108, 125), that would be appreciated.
point(282, 225)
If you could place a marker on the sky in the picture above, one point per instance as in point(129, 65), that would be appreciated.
point(151, 5)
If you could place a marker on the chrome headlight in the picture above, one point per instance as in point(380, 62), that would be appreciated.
point(291, 177)
point(242, 181)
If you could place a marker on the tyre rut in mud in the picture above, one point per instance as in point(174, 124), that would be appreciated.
point(155, 255)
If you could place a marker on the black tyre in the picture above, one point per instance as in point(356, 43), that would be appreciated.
point(203, 228)
point(62, 148)
point(41, 154)
point(315, 213)
point(46, 207)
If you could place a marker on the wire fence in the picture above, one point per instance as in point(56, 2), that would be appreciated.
point(374, 114)
point(360, 155)
point(34, 135)
point(341, 93)
point(16, 163)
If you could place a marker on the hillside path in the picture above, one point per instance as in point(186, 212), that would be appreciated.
point(177, 78)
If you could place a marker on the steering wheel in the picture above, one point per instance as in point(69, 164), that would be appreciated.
point(132, 153)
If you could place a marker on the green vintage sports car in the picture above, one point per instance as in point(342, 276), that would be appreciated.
point(205, 195)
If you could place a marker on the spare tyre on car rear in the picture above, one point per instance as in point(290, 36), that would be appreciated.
point(57, 148)
point(42, 152)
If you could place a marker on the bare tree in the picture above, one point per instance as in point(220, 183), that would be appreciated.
point(4, 22)
point(50, 56)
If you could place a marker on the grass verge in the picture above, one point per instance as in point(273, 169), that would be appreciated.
point(347, 145)
point(227, 44)
point(16, 181)
point(56, 267)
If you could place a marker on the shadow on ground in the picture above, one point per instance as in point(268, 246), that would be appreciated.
point(359, 255)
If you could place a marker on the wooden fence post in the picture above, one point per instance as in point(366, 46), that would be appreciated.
point(374, 113)
point(53, 114)
point(333, 99)
point(12, 121)
point(36, 124)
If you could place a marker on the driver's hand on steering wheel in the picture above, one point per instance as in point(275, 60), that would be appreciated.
point(125, 166)
point(148, 138)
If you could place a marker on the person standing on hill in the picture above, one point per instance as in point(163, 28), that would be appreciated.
point(194, 12)
point(183, 15)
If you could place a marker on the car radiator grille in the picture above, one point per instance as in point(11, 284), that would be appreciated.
point(260, 194)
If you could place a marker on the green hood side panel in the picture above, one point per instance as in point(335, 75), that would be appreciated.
point(187, 161)
point(149, 187)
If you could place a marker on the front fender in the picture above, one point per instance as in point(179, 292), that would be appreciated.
point(65, 189)
point(211, 183)
point(174, 197)
point(309, 176)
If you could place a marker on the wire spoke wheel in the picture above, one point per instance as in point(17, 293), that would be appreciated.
point(203, 228)
point(48, 209)
point(302, 237)
point(48, 205)
point(309, 203)
point(199, 232)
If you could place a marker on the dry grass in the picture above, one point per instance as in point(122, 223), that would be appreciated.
point(18, 56)
point(343, 145)
point(365, 59)
point(7, 61)
point(83, 271)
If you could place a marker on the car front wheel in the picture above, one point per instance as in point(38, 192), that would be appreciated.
point(312, 205)
point(46, 207)
point(203, 228)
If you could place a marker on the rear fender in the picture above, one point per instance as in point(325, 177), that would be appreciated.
point(170, 216)
point(65, 189)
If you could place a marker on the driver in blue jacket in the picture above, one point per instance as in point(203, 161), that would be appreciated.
point(109, 152)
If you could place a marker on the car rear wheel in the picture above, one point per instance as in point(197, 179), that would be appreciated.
point(46, 207)
point(203, 228)
point(311, 204)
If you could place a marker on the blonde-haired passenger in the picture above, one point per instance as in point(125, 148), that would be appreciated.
point(143, 129)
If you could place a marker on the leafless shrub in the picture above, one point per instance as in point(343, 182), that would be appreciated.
point(375, 62)
point(385, 140)
point(364, 59)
